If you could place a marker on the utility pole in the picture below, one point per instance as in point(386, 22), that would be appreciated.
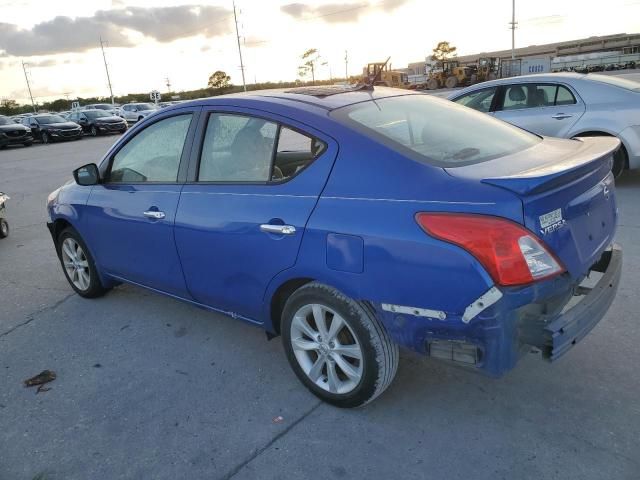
point(346, 66)
point(513, 24)
point(26, 77)
point(107, 70)
point(235, 18)
point(168, 84)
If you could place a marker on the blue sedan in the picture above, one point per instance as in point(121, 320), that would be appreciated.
point(352, 221)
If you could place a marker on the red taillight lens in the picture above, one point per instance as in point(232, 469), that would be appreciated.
point(509, 252)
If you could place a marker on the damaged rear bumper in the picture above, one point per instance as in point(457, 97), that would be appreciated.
point(552, 316)
point(560, 333)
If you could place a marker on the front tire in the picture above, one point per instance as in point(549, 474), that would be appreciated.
point(78, 265)
point(94, 131)
point(337, 347)
point(44, 137)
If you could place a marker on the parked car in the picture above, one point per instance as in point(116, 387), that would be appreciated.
point(4, 225)
point(50, 128)
point(566, 105)
point(133, 112)
point(352, 221)
point(12, 133)
point(98, 122)
point(107, 107)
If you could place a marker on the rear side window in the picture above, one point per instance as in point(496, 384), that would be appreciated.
point(435, 131)
point(526, 95)
point(245, 149)
point(564, 96)
point(153, 155)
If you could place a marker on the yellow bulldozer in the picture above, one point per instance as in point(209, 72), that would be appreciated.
point(449, 74)
point(486, 69)
point(381, 74)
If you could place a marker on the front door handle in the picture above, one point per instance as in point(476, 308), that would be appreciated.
point(278, 229)
point(154, 214)
point(560, 116)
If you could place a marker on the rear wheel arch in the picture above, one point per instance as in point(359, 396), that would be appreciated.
point(599, 133)
point(280, 297)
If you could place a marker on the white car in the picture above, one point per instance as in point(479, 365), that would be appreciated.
point(133, 112)
point(565, 105)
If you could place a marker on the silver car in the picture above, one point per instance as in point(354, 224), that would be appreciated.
point(565, 105)
point(132, 112)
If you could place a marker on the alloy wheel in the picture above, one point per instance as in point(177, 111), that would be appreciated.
point(94, 132)
point(326, 349)
point(76, 264)
point(45, 137)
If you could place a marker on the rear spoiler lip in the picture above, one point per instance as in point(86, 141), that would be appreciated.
point(565, 170)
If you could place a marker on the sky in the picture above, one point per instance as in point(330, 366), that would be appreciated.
point(185, 41)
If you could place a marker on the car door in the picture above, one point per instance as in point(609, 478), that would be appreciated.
point(130, 214)
point(549, 109)
point(252, 186)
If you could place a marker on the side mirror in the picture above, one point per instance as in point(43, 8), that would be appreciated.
point(87, 175)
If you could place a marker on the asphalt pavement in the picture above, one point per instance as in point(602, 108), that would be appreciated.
point(151, 388)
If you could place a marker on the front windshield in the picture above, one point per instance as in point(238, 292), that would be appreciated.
point(440, 132)
point(96, 114)
point(5, 121)
point(145, 106)
point(50, 119)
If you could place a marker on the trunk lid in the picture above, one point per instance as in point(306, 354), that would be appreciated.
point(567, 194)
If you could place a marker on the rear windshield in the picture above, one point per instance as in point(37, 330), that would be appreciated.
point(616, 81)
point(435, 131)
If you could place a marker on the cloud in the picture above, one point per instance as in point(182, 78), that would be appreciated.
point(338, 12)
point(66, 34)
point(329, 12)
point(49, 62)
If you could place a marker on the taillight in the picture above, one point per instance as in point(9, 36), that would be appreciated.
point(510, 253)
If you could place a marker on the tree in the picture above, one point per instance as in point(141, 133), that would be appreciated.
point(443, 52)
point(310, 58)
point(219, 80)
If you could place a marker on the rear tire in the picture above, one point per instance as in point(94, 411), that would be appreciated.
point(4, 228)
point(44, 137)
point(349, 361)
point(94, 131)
point(620, 160)
point(78, 265)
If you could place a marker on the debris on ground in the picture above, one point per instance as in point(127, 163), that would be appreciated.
point(278, 419)
point(40, 380)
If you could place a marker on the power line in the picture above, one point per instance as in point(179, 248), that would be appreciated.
point(235, 18)
point(513, 24)
point(26, 77)
point(107, 70)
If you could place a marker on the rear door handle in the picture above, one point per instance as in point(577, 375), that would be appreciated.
point(278, 229)
point(154, 214)
point(560, 116)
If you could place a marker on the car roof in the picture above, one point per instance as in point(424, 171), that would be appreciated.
point(305, 98)
point(568, 77)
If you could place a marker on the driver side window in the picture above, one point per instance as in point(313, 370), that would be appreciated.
point(153, 155)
